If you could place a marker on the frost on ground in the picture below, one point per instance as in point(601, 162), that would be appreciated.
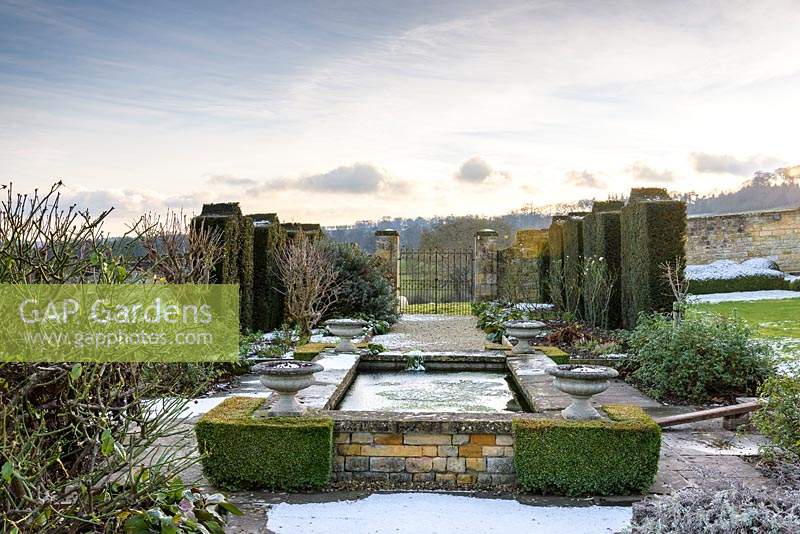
point(533, 306)
point(395, 340)
point(772, 294)
point(423, 317)
point(429, 513)
point(729, 270)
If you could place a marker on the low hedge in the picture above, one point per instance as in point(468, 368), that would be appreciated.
point(572, 458)
point(740, 283)
point(278, 453)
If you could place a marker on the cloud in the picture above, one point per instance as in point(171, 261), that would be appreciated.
point(642, 172)
point(725, 164)
point(129, 205)
point(356, 179)
point(476, 171)
point(584, 179)
point(227, 179)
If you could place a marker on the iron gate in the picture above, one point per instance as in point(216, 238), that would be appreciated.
point(436, 281)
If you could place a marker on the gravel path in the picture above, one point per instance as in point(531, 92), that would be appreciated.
point(434, 333)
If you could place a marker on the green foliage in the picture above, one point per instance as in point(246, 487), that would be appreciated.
point(740, 283)
point(519, 279)
point(572, 458)
point(702, 358)
point(597, 291)
point(492, 315)
point(589, 229)
point(239, 451)
point(226, 271)
point(779, 418)
point(573, 258)
point(607, 246)
point(269, 238)
point(794, 285)
point(555, 285)
point(181, 510)
point(235, 265)
point(458, 233)
point(653, 232)
point(365, 290)
point(246, 273)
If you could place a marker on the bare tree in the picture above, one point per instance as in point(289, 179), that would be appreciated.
point(311, 282)
point(175, 252)
point(679, 285)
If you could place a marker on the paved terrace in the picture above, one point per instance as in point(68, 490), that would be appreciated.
point(693, 455)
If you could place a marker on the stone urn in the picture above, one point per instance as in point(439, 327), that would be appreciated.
point(581, 382)
point(287, 377)
point(346, 330)
point(524, 330)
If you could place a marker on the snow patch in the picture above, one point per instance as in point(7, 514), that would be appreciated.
point(429, 513)
point(730, 270)
point(772, 294)
point(423, 317)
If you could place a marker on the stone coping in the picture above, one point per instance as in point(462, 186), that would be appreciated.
point(426, 423)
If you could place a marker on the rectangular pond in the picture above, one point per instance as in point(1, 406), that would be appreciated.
point(426, 391)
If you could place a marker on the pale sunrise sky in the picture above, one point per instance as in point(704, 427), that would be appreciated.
point(337, 111)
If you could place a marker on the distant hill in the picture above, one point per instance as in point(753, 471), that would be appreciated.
point(765, 191)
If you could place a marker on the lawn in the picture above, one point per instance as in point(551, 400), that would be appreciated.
point(445, 308)
point(775, 320)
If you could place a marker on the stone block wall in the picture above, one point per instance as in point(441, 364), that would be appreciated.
point(443, 460)
point(774, 234)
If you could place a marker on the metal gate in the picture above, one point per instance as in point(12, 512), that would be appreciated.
point(436, 281)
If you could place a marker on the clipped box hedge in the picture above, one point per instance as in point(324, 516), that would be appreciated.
point(740, 283)
point(239, 451)
point(607, 246)
point(653, 232)
point(573, 458)
point(269, 237)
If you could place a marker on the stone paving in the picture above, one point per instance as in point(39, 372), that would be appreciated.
point(433, 333)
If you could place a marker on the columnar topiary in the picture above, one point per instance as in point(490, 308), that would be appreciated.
point(653, 232)
point(607, 246)
point(589, 225)
point(246, 273)
point(269, 237)
point(555, 244)
point(573, 256)
point(311, 230)
point(236, 263)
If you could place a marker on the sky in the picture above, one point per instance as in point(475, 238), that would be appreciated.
point(339, 111)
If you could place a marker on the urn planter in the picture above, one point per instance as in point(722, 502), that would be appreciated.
point(287, 377)
point(524, 331)
point(581, 382)
point(346, 330)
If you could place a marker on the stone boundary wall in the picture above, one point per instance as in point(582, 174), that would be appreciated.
point(739, 236)
point(446, 459)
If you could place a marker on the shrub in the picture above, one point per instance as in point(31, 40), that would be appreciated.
point(269, 238)
point(779, 418)
point(597, 290)
point(555, 284)
point(365, 289)
point(280, 453)
point(794, 284)
point(615, 457)
point(589, 230)
point(653, 232)
point(519, 279)
point(740, 283)
point(702, 358)
point(731, 510)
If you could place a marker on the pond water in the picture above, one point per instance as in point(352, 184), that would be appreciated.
point(412, 391)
